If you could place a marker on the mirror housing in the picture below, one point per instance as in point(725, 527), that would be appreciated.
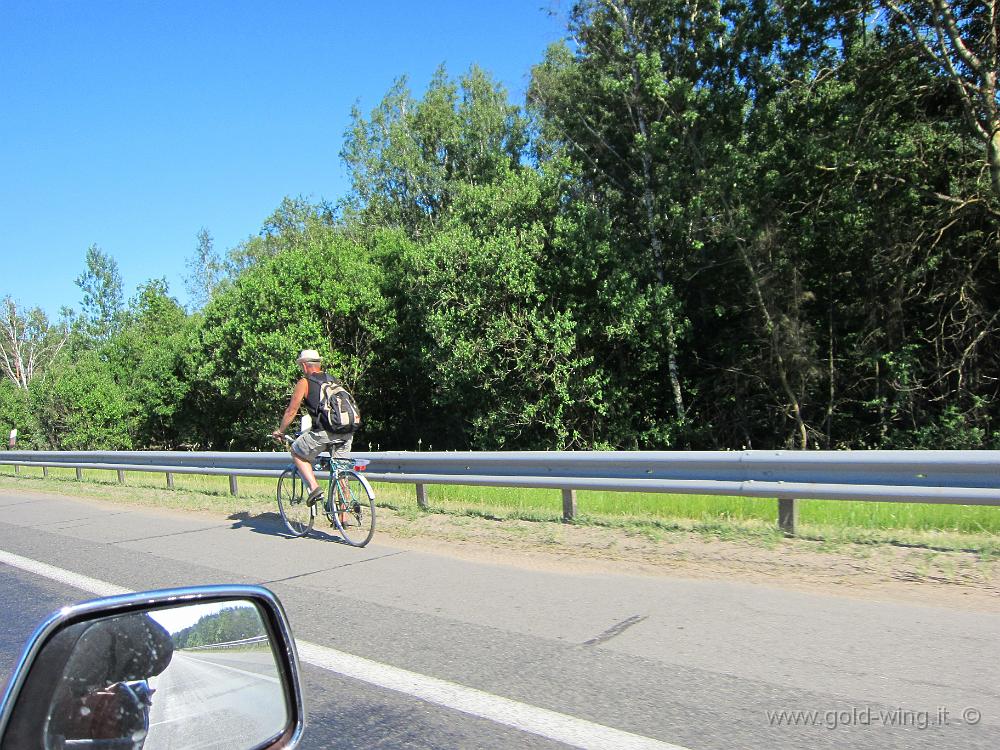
point(130, 640)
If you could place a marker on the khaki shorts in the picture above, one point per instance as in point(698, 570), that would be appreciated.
point(309, 445)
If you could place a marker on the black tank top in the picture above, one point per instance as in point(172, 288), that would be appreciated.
point(312, 396)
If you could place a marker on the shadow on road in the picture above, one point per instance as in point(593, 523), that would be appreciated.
point(272, 525)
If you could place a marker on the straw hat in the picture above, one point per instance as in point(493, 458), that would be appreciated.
point(309, 355)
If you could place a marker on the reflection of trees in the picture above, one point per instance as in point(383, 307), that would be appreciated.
point(233, 624)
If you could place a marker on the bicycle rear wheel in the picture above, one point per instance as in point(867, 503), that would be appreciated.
point(297, 514)
point(354, 509)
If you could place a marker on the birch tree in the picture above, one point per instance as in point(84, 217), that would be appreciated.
point(960, 38)
point(27, 342)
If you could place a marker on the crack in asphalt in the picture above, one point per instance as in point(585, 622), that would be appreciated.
point(78, 520)
point(615, 630)
point(325, 570)
point(161, 536)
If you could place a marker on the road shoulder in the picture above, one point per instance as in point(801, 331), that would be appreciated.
point(959, 580)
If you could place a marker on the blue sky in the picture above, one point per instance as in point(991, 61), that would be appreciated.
point(133, 124)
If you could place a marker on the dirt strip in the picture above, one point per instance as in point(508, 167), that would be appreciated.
point(954, 579)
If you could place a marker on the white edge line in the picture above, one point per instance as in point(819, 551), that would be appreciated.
point(233, 669)
point(540, 721)
point(77, 581)
point(550, 724)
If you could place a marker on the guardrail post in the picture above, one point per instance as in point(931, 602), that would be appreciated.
point(569, 504)
point(170, 481)
point(17, 469)
point(234, 488)
point(45, 472)
point(79, 474)
point(788, 515)
point(422, 496)
point(121, 477)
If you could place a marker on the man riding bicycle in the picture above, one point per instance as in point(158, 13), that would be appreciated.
point(307, 447)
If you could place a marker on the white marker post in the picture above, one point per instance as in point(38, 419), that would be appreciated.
point(10, 446)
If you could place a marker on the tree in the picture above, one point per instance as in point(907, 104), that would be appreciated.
point(83, 406)
point(324, 295)
point(125, 391)
point(779, 204)
point(15, 413)
point(295, 223)
point(103, 302)
point(502, 357)
point(205, 271)
point(443, 194)
point(959, 38)
point(649, 104)
point(149, 360)
point(855, 220)
point(27, 342)
point(409, 156)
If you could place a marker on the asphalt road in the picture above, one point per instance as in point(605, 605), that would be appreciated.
point(696, 664)
point(205, 700)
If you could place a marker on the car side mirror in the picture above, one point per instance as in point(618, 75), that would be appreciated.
point(207, 666)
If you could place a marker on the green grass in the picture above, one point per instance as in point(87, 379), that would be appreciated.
point(944, 527)
point(212, 485)
point(547, 505)
point(974, 528)
point(191, 491)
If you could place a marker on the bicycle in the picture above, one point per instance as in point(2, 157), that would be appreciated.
point(348, 503)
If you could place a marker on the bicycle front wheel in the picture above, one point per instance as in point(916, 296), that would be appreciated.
point(297, 514)
point(354, 509)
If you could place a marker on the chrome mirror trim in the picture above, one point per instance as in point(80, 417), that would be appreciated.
point(270, 608)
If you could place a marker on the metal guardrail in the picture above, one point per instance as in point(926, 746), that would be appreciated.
point(956, 477)
point(257, 639)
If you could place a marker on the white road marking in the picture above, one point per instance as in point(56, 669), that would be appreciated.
point(216, 664)
point(175, 719)
point(77, 581)
point(185, 717)
point(555, 726)
point(540, 721)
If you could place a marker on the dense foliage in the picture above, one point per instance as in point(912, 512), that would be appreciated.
point(225, 626)
point(722, 225)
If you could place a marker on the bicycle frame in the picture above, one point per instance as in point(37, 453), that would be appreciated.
point(348, 501)
point(336, 467)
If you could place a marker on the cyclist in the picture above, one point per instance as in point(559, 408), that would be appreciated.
point(314, 441)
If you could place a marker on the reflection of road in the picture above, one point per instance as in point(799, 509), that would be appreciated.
point(221, 699)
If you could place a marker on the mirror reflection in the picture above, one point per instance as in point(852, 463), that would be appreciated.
point(192, 676)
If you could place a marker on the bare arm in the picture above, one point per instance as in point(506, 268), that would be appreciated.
point(301, 388)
